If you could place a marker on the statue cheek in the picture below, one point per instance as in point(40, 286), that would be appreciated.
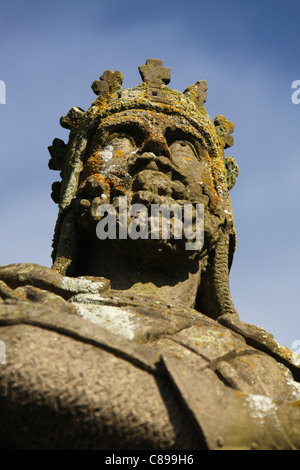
point(189, 166)
point(185, 158)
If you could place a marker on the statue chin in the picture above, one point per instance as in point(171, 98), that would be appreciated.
point(135, 244)
point(153, 228)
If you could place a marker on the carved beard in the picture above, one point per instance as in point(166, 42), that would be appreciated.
point(148, 181)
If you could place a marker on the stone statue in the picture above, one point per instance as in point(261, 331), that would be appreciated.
point(132, 340)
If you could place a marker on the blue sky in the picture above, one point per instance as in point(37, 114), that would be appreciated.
point(248, 52)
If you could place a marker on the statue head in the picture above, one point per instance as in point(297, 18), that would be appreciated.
point(134, 154)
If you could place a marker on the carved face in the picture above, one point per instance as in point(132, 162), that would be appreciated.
point(151, 158)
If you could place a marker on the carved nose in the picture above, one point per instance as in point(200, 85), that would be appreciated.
point(157, 144)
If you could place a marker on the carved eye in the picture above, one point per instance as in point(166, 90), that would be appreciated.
point(183, 149)
point(122, 142)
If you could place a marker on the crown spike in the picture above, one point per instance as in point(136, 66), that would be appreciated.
point(197, 93)
point(154, 74)
point(108, 82)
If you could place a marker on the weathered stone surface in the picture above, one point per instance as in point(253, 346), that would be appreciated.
point(134, 342)
point(22, 274)
point(58, 151)
point(190, 370)
point(224, 129)
point(75, 395)
point(45, 317)
point(234, 420)
point(56, 189)
point(134, 316)
point(232, 171)
point(108, 81)
point(263, 341)
point(198, 93)
point(154, 74)
point(34, 294)
point(72, 119)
